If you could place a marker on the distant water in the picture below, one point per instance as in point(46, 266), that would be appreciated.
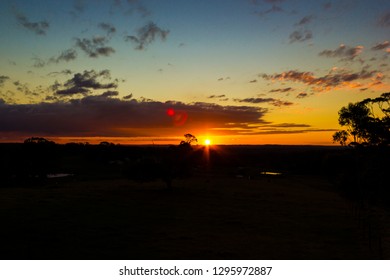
point(58, 175)
point(271, 173)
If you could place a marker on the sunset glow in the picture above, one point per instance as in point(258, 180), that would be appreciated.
point(207, 142)
point(246, 72)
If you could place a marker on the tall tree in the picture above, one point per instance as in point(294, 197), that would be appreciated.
point(366, 122)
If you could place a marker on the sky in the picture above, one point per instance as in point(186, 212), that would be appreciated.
point(149, 71)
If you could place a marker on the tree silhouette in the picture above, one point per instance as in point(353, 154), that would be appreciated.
point(367, 122)
point(189, 139)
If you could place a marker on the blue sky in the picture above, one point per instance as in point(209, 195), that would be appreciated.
point(293, 62)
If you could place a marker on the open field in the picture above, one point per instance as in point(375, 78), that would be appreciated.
point(214, 214)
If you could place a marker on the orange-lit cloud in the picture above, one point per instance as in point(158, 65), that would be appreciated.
point(336, 79)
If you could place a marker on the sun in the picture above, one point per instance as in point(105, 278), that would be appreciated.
point(207, 142)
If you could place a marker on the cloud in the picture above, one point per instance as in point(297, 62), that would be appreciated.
point(253, 81)
point(335, 79)
point(282, 89)
point(217, 96)
point(67, 55)
point(133, 6)
point(344, 52)
point(38, 62)
point(39, 27)
point(107, 116)
point(3, 79)
point(147, 35)
point(127, 97)
point(95, 47)
point(110, 29)
point(63, 72)
point(302, 95)
point(272, 10)
point(300, 36)
point(83, 83)
point(78, 8)
point(305, 20)
point(381, 46)
point(258, 100)
point(384, 20)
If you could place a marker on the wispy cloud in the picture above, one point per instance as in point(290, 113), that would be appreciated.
point(381, 46)
point(335, 79)
point(3, 79)
point(217, 96)
point(83, 83)
point(302, 95)
point(95, 47)
point(282, 89)
point(300, 36)
point(78, 7)
point(344, 52)
point(147, 35)
point(67, 55)
point(259, 100)
point(108, 28)
point(384, 20)
point(39, 27)
point(305, 20)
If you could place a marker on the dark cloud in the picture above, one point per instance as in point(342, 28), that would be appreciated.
point(95, 47)
point(258, 100)
point(147, 35)
point(63, 72)
point(127, 97)
point(217, 96)
point(305, 20)
point(381, 46)
point(83, 83)
point(344, 52)
point(327, 82)
point(384, 20)
point(3, 79)
point(39, 27)
point(110, 29)
point(110, 93)
point(67, 55)
point(107, 116)
point(253, 81)
point(300, 36)
point(282, 89)
point(302, 95)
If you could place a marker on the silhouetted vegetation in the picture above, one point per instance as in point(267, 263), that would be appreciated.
point(367, 122)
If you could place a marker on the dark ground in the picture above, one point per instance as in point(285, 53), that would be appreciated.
point(225, 209)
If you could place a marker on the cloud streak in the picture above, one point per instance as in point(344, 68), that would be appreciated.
point(338, 79)
point(344, 52)
point(258, 100)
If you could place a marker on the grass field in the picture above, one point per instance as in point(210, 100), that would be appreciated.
point(208, 216)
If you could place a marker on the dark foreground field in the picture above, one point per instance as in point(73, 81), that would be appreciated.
point(216, 213)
